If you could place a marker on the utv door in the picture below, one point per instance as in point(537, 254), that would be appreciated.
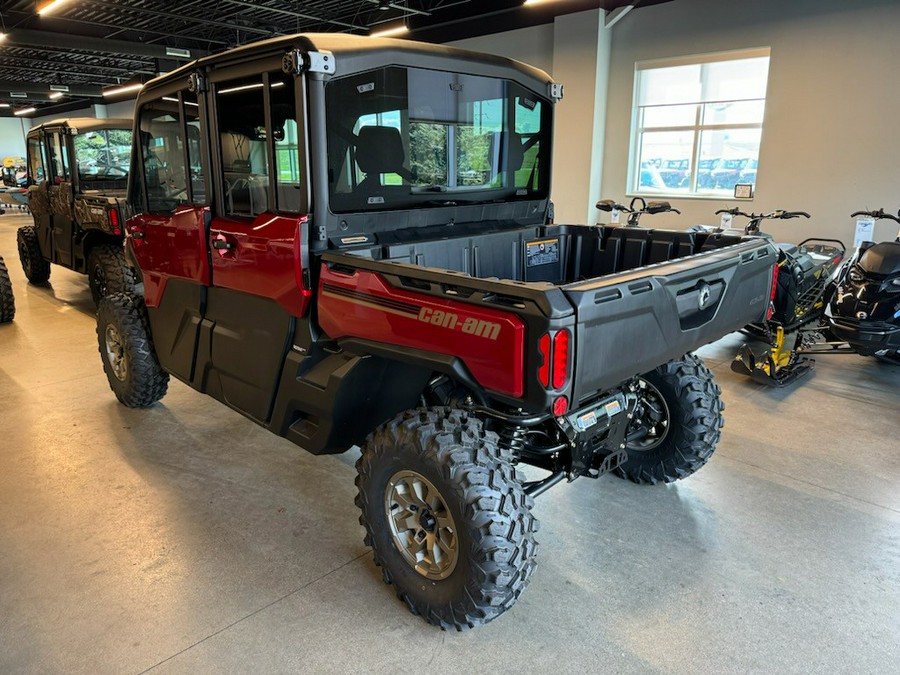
point(256, 291)
point(61, 200)
point(38, 192)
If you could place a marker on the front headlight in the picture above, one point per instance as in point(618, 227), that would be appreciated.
point(856, 275)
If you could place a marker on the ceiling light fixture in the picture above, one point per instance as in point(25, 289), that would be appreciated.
point(47, 7)
point(123, 90)
point(24, 111)
point(245, 87)
point(528, 3)
point(388, 32)
point(56, 94)
point(2, 37)
point(4, 105)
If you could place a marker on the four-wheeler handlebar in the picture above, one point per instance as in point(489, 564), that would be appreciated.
point(609, 205)
point(877, 215)
point(756, 218)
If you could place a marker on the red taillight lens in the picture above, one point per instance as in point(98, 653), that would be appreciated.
point(560, 359)
point(774, 291)
point(114, 221)
point(560, 406)
point(544, 370)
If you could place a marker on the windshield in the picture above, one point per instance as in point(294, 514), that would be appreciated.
point(406, 137)
point(104, 154)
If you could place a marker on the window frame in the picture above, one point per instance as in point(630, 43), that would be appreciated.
point(262, 68)
point(42, 152)
point(697, 128)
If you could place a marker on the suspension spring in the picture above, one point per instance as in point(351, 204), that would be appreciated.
point(513, 438)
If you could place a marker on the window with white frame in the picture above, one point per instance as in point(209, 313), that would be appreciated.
point(698, 123)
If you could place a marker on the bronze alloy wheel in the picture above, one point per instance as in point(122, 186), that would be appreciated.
point(421, 525)
point(115, 353)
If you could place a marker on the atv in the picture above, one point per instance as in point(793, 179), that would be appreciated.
point(380, 293)
point(7, 302)
point(865, 308)
point(801, 289)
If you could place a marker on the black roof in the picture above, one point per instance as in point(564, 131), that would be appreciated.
point(82, 124)
point(357, 53)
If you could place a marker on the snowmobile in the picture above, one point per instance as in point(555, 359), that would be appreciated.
point(635, 213)
point(865, 309)
point(803, 283)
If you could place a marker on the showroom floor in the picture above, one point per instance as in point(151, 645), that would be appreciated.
point(184, 539)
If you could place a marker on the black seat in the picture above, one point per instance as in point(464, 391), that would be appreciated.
point(379, 150)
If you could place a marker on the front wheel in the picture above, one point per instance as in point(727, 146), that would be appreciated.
point(108, 272)
point(35, 266)
point(446, 516)
point(7, 302)
point(676, 425)
point(126, 349)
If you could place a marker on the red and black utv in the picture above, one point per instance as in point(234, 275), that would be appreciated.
point(346, 240)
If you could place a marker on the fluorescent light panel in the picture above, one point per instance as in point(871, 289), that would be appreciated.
point(387, 32)
point(4, 105)
point(50, 6)
point(123, 90)
point(56, 95)
point(23, 111)
point(245, 87)
point(175, 100)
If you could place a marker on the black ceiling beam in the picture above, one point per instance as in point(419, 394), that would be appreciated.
point(42, 38)
point(293, 14)
point(161, 14)
point(61, 64)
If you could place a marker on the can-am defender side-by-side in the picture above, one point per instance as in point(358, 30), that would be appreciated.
point(77, 175)
point(804, 279)
point(7, 301)
point(357, 251)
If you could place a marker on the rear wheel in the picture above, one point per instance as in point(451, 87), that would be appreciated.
point(108, 272)
point(678, 419)
point(126, 349)
point(7, 302)
point(446, 516)
point(35, 266)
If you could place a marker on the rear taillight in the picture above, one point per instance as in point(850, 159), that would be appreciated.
point(560, 406)
point(544, 370)
point(560, 359)
point(114, 220)
point(773, 292)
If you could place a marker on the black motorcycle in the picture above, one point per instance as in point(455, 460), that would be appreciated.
point(865, 308)
point(802, 286)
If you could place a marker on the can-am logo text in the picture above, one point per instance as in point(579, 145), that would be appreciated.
point(470, 325)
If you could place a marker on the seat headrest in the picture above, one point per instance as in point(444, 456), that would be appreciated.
point(379, 150)
point(516, 152)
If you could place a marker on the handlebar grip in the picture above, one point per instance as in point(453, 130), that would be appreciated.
point(675, 211)
point(720, 211)
point(859, 213)
point(801, 213)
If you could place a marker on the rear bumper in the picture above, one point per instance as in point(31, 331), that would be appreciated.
point(867, 337)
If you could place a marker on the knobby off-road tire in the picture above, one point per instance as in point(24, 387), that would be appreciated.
point(35, 266)
point(492, 544)
point(108, 273)
point(694, 412)
point(126, 349)
point(7, 302)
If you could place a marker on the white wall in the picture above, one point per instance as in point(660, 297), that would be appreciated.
point(533, 45)
point(830, 142)
point(12, 136)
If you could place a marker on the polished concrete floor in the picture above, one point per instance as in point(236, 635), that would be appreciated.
point(184, 539)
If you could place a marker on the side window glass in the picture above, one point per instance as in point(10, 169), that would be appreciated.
point(162, 152)
point(241, 125)
point(59, 159)
point(35, 161)
point(195, 148)
point(286, 141)
point(103, 155)
point(527, 133)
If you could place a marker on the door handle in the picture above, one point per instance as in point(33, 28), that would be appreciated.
point(222, 245)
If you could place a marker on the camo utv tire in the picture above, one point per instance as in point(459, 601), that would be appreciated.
point(446, 516)
point(126, 349)
point(108, 273)
point(686, 433)
point(35, 266)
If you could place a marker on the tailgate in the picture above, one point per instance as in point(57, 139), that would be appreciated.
point(630, 323)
